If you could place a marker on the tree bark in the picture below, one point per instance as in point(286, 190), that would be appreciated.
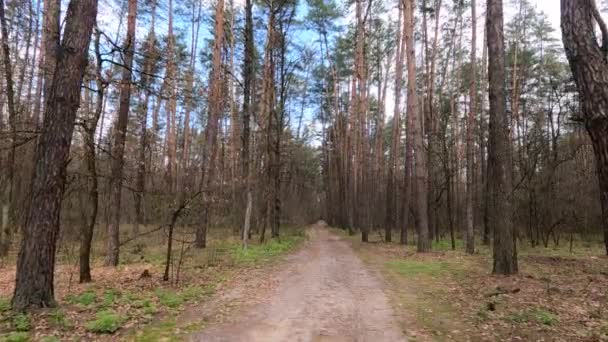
point(391, 195)
point(248, 78)
point(118, 147)
point(505, 252)
point(140, 178)
point(211, 131)
point(36, 261)
point(470, 236)
point(8, 198)
point(420, 171)
point(86, 235)
point(588, 64)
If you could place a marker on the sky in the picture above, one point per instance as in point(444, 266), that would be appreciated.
point(110, 14)
point(551, 8)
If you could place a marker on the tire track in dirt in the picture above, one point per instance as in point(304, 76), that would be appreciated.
point(323, 292)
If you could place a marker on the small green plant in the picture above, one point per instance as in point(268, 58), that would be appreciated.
point(149, 308)
point(518, 317)
point(106, 322)
point(412, 268)
point(162, 331)
point(545, 317)
point(21, 322)
point(169, 298)
point(57, 318)
point(110, 297)
point(85, 299)
point(536, 315)
point(51, 339)
point(5, 304)
point(15, 337)
point(194, 292)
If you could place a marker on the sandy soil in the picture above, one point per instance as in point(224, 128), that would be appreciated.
point(322, 293)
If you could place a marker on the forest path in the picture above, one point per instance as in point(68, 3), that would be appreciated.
point(323, 292)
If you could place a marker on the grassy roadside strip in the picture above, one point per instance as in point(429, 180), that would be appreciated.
point(448, 295)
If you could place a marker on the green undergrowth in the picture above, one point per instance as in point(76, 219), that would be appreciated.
point(106, 322)
point(15, 337)
point(268, 250)
point(100, 308)
point(538, 315)
point(168, 331)
point(411, 268)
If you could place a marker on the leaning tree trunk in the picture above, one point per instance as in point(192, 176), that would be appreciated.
point(505, 253)
point(86, 235)
point(588, 64)
point(36, 262)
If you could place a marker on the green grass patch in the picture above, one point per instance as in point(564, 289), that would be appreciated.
point(168, 298)
point(149, 308)
point(58, 319)
point(50, 339)
point(105, 322)
point(85, 299)
point(412, 268)
point(195, 292)
point(446, 244)
point(5, 304)
point(538, 315)
point(268, 250)
point(22, 322)
point(15, 337)
point(110, 297)
point(163, 331)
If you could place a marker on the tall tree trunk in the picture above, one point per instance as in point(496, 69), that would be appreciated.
point(7, 210)
point(470, 236)
point(505, 253)
point(211, 131)
point(51, 33)
point(86, 235)
point(420, 171)
point(391, 195)
point(140, 178)
point(588, 64)
point(484, 189)
point(186, 141)
point(432, 124)
point(120, 135)
point(171, 122)
point(248, 78)
point(36, 261)
point(268, 114)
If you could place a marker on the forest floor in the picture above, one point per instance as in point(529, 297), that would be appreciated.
point(448, 295)
point(326, 287)
point(131, 302)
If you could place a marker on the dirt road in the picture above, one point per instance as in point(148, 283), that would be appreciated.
point(322, 293)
